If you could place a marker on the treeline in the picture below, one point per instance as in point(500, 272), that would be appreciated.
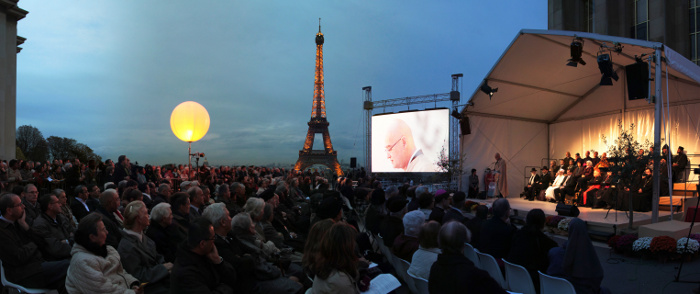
point(31, 145)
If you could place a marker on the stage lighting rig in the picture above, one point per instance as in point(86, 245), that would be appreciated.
point(488, 90)
point(605, 64)
point(576, 52)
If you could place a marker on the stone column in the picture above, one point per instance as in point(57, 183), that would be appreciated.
point(9, 15)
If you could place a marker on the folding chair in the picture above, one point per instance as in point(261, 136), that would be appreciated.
point(421, 284)
point(402, 269)
point(19, 288)
point(489, 264)
point(518, 278)
point(554, 285)
point(470, 253)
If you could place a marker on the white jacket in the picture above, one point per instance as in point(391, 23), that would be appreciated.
point(90, 273)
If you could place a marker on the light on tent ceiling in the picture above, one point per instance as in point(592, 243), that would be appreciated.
point(606, 68)
point(576, 52)
point(488, 90)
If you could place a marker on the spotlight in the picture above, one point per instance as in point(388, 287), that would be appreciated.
point(576, 52)
point(606, 68)
point(488, 90)
point(455, 113)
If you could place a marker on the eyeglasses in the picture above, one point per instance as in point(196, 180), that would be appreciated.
point(392, 146)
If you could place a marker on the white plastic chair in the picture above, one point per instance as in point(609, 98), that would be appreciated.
point(470, 253)
point(489, 264)
point(421, 284)
point(402, 269)
point(554, 285)
point(518, 278)
point(385, 251)
point(22, 289)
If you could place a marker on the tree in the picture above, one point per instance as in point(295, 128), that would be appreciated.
point(67, 148)
point(32, 143)
point(60, 147)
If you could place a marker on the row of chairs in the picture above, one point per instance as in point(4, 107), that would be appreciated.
point(517, 278)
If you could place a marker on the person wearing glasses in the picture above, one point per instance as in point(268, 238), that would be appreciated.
point(402, 151)
point(21, 257)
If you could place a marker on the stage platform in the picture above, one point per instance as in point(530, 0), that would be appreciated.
point(596, 218)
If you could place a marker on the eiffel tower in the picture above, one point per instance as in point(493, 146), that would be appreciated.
point(318, 123)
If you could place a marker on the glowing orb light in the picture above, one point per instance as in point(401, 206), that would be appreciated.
point(189, 121)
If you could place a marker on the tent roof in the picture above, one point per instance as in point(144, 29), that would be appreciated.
point(535, 84)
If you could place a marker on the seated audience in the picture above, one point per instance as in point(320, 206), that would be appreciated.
point(497, 232)
point(54, 228)
point(109, 207)
point(375, 211)
point(568, 187)
point(580, 264)
point(558, 181)
point(337, 263)
point(78, 204)
point(392, 225)
point(457, 210)
point(452, 272)
point(180, 205)
point(254, 274)
point(530, 246)
point(21, 257)
point(31, 205)
point(313, 246)
point(198, 267)
point(95, 266)
point(474, 225)
point(138, 252)
point(407, 243)
point(65, 209)
point(426, 203)
point(442, 202)
point(427, 252)
point(165, 234)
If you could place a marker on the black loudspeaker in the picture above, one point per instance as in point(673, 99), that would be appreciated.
point(353, 162)
point(637, 80)
point(567, 210)
point(464, 126)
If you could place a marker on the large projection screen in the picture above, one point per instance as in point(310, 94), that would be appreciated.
point(410, 141)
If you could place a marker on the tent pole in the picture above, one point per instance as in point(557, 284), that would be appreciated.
point(657, 136)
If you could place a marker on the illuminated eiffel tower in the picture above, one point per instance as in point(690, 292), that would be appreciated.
point(318, 123)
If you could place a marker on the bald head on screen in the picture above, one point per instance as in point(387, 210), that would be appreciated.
point(399, 144)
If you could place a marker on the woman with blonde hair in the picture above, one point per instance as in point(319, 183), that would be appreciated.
point(138, 252)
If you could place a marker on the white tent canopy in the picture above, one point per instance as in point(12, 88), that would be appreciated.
point(544, 108)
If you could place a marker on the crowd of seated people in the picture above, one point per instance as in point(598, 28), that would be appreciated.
point(599, 182)
point(244, 230)
point(117, 227)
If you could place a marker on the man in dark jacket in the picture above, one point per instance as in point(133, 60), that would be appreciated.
point(53, 226)
point(497, 232)
point(109, 204)
point(198, 267)
point(453, 272)
point(20, 253)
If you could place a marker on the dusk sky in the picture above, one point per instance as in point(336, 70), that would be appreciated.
point(109, 73)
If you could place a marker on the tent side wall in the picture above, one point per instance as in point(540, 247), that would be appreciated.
point(522, 144)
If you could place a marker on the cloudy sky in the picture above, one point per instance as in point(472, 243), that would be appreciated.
point(109, 73)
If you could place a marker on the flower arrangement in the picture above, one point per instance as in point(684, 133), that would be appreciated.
point(564, 224)
point(693, 246)
point(662, 245)
point(625, 242)
point(642, 245)
point(695, 237)
point(554, 221)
